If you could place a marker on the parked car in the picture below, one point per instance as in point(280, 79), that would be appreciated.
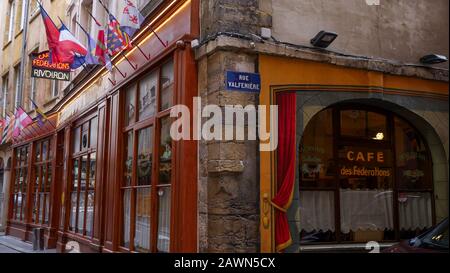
point(435, 240)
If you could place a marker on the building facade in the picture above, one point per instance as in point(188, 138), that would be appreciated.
point(363, 130)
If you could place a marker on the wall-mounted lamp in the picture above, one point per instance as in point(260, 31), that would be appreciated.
point(323, 39)
point(433, 59)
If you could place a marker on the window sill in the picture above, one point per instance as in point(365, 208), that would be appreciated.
point(18, 33)
point(34, 15)
point(7, 44)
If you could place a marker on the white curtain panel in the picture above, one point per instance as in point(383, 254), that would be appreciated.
point(366, 210)
point(317, 211)
point(415, 211)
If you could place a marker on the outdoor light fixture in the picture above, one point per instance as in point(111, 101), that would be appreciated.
point(433, 59)
point(323, 39)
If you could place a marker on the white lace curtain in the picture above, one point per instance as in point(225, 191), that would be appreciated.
point(363, 210)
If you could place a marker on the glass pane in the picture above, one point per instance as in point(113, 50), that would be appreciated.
point(84, 162)
point(365, 168)
point(92, 164)
point(128, 169)
point(317, 222)
point(415, 212)
point(377, 126)
point(80, 228)
point(90, 214)
point(126, 218)
point(48, 185)
point(164, 219)
point(363, 124)
point(93, 132)
point(367, 215)
point(38, 152)
point(44, 172)
point(165, 153)
point(130, 107)
point(35, 207)
point(75, 172)
point(47, 208)
point(84, 140)
point(73, 211)
point(145, 150)
point(49, 150)
point(147, 96)
point(317, 165)
point(41, 206)
point(142, 231)
point(167, 82)
point(44, 150)
point(413, 162)
point(76, 140)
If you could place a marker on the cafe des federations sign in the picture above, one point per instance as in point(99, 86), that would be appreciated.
point(42, 68)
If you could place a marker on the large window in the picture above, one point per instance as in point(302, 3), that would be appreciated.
point(84, 141)
point(42, 182)
point(20, 183)
point(146, 195)
point(365, 175)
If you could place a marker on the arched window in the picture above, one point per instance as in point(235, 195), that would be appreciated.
point(365, 175)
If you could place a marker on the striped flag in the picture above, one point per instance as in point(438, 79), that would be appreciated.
point(6, 128)
point(22, 121)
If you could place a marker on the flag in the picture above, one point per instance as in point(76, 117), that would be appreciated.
point(52, 35)
point(40, 117)
point(6, 129)
point(130, 17)
point(72, 47)
point(91, 46)
point(2, 126)
point(62, 44)
point(101, 51)
point(117, 40)
point(22, 121)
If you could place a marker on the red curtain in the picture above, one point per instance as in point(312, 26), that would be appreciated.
point(285, 168)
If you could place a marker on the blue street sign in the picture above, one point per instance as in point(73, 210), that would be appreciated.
point(243, 82)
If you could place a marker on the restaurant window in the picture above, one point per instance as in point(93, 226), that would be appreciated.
point(19, 193)
point(365, 175)
point(42, 182)
point(146, 196)
point(84, 143)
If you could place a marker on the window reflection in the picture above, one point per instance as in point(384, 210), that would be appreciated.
point(167, 88)
point(147, 95)
point(145, 150)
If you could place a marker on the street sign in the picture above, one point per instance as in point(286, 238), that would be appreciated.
point(243, 82)
point(42, 68)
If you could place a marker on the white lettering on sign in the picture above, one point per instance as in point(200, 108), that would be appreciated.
point(242, 85)
point(49, 74)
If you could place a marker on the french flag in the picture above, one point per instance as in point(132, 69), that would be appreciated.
point(62, 44)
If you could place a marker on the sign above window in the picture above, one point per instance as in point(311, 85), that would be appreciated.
point(42, 68)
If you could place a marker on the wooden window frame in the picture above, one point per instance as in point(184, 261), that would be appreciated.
point(21, 165)
point(41, 164)
point(339, 140)
point(135, 126)
point(77, 156)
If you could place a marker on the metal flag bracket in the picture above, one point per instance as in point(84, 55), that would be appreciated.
point(114, 82)
point(134, 66)
point(147, 57)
